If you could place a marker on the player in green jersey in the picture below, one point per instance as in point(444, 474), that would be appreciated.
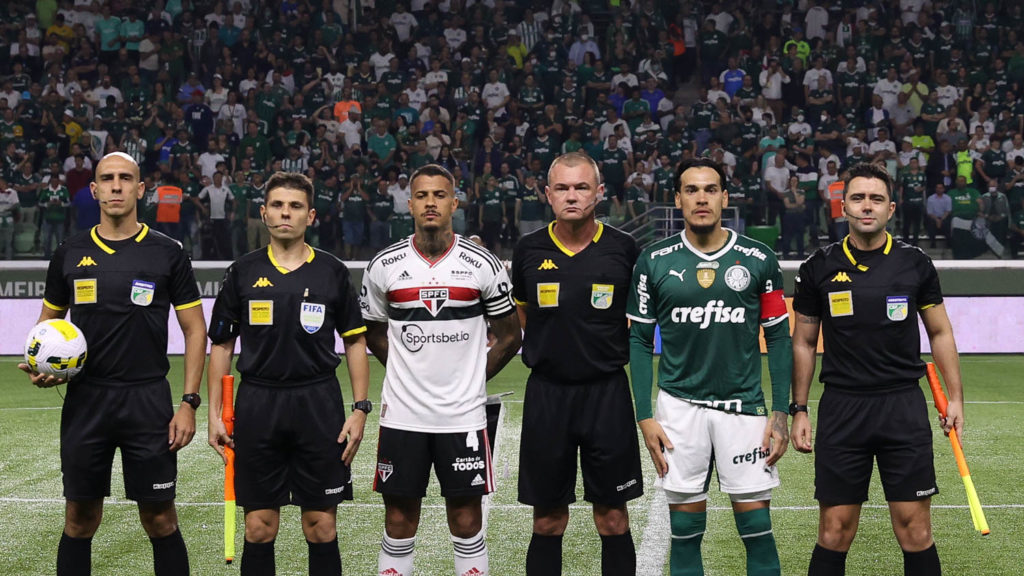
point(710, 290)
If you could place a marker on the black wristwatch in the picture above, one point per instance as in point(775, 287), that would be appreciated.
point(364, 405)
point(193, 400)
point(794, 408)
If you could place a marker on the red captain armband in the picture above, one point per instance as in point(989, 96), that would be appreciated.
point(773, 305)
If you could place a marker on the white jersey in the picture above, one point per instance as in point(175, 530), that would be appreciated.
point(436, 312)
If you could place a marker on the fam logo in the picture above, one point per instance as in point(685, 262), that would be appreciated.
point(433, 299)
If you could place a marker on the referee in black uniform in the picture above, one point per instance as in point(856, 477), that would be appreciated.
point(570, 280)
point(119, 281)
point(293, 444)
point(866, 293)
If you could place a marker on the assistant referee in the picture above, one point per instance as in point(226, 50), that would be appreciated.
point(570, 281)
point(293, 444)
point(866, 293)
point(119, 281)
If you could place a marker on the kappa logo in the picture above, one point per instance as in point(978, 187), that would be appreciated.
point(477, 481)
point(263, 282)
point(547, 264)
point(677, 274)
point(86, 261)
point(841, 277)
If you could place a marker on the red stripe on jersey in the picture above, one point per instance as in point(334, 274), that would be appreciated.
point(454, 293)
point(490, 465)
point(773, 305)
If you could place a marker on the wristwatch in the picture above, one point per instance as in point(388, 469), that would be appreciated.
point(364, 405)
point(193, 400)
point(794, 408)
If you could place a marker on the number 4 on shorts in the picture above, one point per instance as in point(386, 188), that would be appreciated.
point(472, 442)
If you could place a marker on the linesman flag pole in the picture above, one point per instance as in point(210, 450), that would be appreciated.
point(977, 514)
point(227, 415)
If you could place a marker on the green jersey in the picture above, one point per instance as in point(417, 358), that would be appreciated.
point(965, 203)
point(912, 185)
point(710, 308)
point(532, 206)
point(54, 203)
point(492, 200)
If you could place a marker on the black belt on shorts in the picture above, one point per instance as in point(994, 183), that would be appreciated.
point(275, 383)
point(866, 389)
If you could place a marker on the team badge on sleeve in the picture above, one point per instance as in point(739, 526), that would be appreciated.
point(897, 307)
point(601, 296)
point(311, 316)
point(142, 292)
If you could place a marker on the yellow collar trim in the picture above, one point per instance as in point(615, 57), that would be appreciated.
point(849, 254)
point(566, 251)
point(103, 246)
point(282, 269)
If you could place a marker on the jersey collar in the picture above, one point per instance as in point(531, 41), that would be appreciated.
point(422, 256)
point(566, 251)
point(849, 253)
point(103, 245)
point(715, 256)
point(282, 269)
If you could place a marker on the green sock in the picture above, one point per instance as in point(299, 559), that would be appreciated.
point(687, 534)
point(755, 528)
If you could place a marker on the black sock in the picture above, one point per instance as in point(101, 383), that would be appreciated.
point(258, 559)
point(618, 555)
point(923, 563)
point(170, 557)
point(324, 558)
point(74, 556)
point(825, 562)
point(544, 556)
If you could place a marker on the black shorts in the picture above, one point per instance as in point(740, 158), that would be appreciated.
point(595, 419)
point(286, 446)
point(461, 460)
point(855, 428)
point(96, 419)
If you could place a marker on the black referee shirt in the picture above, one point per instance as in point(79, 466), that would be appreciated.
point(120, 293)
point(286, 319)
point(868, 303)
point(576, 327)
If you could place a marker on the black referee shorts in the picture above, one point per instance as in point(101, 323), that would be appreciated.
point(96, 419)
point(856, 428)
point(286, 446)
point(594, 419)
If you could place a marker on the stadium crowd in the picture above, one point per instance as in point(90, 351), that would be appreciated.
point(211, 97)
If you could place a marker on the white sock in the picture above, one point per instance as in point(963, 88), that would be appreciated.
point(470, 555)
point(395, 558)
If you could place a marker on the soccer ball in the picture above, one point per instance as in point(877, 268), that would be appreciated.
point(57, 348)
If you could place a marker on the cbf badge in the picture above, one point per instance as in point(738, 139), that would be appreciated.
point(897, 308)
point(142, 292)
point(311, 316)
point(601, 296)
point(706, 274)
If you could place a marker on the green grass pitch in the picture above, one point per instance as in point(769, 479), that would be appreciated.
point(31, 508)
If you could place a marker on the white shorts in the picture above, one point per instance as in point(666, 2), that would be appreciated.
point(699, 434)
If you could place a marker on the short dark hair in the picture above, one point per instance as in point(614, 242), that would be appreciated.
point(291, 180)
point(867, 170)
point(432, 170)
point(700, 163)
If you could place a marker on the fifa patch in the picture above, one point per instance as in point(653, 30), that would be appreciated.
point(737, 277)
point(547, 294)
point(601, 296)
point(311, 316)
point(897, 308)
point(384, 471)
point(142, 292)
point(840, 303)
point(261, 312)
point(85, 291)
point(706, 272)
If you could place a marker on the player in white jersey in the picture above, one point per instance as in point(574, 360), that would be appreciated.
point(427, 301)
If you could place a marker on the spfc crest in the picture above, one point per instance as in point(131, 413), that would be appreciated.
point(311, 316)
point(433, 299)
point(706, 272)
point(897, 308)
point(601, 296)
point(142, 292)
point(384, 471)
